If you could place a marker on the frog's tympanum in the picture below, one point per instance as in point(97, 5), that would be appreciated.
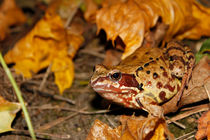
point(147, 78)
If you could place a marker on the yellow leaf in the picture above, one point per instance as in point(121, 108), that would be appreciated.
point(64, 73)
point(8, 112)
point(48, 43)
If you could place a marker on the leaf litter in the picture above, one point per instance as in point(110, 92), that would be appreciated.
point(77, 126)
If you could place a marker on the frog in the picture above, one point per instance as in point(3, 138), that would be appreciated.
point(147, 78)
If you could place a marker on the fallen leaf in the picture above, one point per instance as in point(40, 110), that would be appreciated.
point(48, 43)
point(8, 112)
point(203, 126)
point(101, 131)
point(131, 20)
point(10, 15)
point(90, 10)
point(132, 128)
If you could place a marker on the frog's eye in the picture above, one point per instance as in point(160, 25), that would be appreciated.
point(116, 76)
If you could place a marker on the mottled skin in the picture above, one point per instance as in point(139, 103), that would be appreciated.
point(147, 78)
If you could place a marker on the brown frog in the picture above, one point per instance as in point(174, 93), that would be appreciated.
point(147, 78)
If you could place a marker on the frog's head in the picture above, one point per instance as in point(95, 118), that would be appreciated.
point(115, 84)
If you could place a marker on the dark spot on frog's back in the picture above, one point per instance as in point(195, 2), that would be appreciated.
point(161, 67)
point(155, 75)
point(165, 74)
point(190, 57)
point(178, 87)
point(162, 96)
point(169, 87)
point(171, 66)
point(159, 85)
point(134, 57)
point(147, 64)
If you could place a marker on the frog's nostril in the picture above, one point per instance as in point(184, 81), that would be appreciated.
point(94, 68)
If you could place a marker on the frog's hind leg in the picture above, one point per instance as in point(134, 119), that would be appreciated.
point(188, 72)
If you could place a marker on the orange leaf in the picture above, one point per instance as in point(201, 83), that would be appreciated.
point(203, 127)
point(48, 43)
point(132, 128)
point(132, 19)
point(101, 131)
point(10, 15)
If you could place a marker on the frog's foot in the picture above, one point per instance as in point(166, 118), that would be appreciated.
point(150, 106)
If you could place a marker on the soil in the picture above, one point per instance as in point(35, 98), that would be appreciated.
point(41, 107)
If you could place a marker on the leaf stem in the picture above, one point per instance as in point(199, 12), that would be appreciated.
point(19, 96)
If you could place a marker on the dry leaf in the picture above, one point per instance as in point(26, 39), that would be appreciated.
point(101, 131)
point(132, 128)
point(90, 10)
point(48, 43)
point(10, 15)
point(132, 19)
point(203, 126)
point(8, 112)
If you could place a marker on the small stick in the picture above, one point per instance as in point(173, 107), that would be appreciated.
point(176, 123)
point(195, 107)
point(186, 114)
point(93, 53)
point(45, 77)
point(71, 15)
point(185, 135)
point(70, 109)
point(110, 121)
point(57, 97)
point(42, 135)
point(57, 121)
point(207, 91)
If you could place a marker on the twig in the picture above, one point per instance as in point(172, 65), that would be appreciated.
point(57, 121)
point(19, 96)
point(45, 77)
point(42, 135)
point(195, 107)
point(71, 15)
point(176, 123)
point(186, 135)
point(70, 109)
point(93, 53)
point(207, 91)
point(46, 94)
point(110, 121)
point(186, 114)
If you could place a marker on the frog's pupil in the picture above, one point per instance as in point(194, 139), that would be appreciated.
point(116, 76)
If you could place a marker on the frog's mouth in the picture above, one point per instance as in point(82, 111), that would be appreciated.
point(115, 92)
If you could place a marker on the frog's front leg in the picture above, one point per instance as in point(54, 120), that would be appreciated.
point(149, 105)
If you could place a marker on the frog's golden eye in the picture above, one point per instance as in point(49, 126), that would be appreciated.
point(116, 76)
